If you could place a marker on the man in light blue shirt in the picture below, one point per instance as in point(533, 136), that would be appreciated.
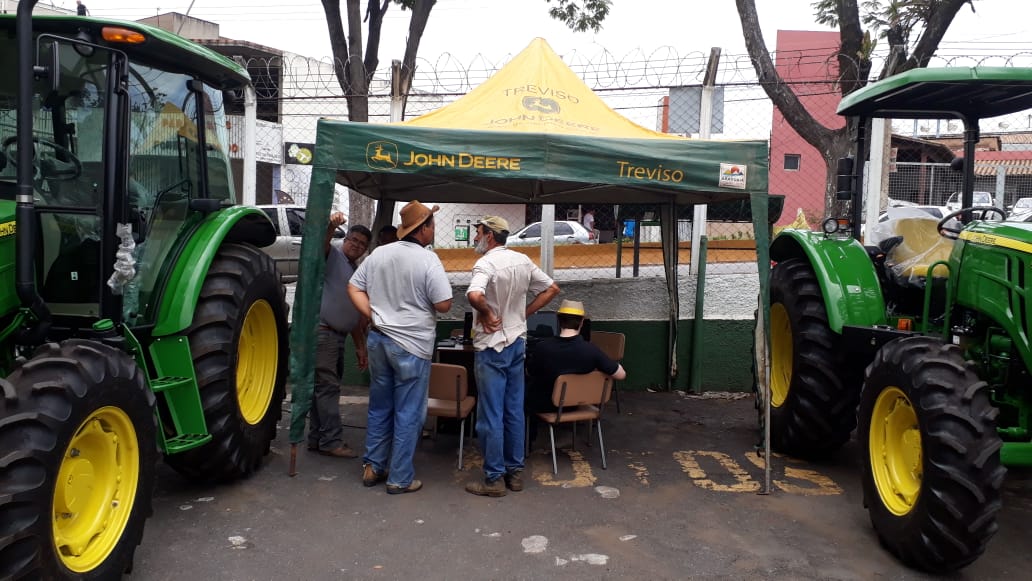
point(400, 287)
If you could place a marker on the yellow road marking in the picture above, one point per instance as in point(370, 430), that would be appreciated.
point(582, 475)
point(824, 486)
point(689, 464)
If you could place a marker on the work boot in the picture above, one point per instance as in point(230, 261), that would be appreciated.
point(412, 487)
point(514, 480)
point(341, 451)
point(494, 488)
point(370, 477)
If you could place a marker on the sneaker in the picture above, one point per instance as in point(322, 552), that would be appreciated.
point(514, 480)
point(494, 488)
point(412, 487)
point(370, 477)
point(341, 451)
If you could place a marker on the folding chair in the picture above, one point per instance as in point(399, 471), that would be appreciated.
point(578, 397)
point(612, 344)
point(449, 397)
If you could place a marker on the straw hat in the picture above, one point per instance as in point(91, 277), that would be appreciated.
point(414, 214)
point(571, 308)
point(495, 224)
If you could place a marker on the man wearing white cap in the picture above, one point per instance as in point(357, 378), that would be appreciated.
point(400, 288)
point(498, 293)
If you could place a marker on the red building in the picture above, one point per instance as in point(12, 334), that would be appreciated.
point(806, 60)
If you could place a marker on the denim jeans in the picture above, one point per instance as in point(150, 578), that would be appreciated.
point(398, 387)
point(500, 408)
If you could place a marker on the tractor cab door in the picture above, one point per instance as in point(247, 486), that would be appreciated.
point(71, 110)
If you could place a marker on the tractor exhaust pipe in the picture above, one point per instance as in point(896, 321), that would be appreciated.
point(25, 236)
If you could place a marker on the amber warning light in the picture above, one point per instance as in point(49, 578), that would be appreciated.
point(123, 35)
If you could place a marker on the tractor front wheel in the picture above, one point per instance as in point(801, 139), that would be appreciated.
point(931, 454)
point(239, 344)
point(77, 473)
point(813, 407)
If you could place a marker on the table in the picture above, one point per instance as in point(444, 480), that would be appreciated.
point(448, 351)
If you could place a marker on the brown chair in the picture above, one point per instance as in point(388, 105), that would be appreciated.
point(449, 397)
point(579, 397)
point(612, 344)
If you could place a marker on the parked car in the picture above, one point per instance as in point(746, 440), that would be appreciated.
point(566, 232)
point(286, 250)
point(1020, 209)
point(979, 200)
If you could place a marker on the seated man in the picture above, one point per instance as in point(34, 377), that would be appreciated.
point(567, 352)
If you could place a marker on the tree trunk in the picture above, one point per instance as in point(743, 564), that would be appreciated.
point(420, 15)
point(360, 207)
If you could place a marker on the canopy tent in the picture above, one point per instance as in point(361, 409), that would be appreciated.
point(532, 133)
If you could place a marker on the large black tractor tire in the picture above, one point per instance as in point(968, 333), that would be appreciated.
point(239, 344)
point(813, 406)
point(77, 463)
point(931, 454)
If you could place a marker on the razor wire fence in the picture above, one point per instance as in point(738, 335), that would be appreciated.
point(661, 91)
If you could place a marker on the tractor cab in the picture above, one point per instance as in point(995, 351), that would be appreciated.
point(126, 154)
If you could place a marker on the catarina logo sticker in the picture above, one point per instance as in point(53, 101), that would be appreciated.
point(732, 175)
point(382, 155)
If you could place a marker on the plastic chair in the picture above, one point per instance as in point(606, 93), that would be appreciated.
point(449, 397)
point(612, 344)
point(579, 398)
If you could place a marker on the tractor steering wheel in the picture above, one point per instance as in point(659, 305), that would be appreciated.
point(47, 167)
point(952, 232)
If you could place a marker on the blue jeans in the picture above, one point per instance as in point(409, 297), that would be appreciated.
point(500, 418)
point(398, 387)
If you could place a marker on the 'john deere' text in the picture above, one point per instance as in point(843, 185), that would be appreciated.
point(463, 160)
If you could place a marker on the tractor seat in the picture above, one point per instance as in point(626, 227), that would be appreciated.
point(921, 245)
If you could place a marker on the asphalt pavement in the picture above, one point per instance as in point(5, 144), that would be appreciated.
point(679, 500)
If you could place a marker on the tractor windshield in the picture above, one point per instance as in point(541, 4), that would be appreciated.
point(76, 152)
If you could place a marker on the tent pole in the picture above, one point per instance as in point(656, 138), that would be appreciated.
point(668, 235)
point(761, 229)
point(547, 233)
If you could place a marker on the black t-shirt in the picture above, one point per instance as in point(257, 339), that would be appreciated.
point(556, 356)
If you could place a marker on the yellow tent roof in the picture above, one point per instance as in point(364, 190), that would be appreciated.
point(536, 93)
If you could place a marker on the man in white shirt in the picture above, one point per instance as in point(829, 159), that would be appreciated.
point(498, 293)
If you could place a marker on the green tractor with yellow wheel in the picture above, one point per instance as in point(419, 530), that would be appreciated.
point(919, 336)
point(138, 315)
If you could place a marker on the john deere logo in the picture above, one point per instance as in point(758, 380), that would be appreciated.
point(541, 105)
point(382, 155)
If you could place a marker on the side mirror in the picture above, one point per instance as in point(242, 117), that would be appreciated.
point(844, 180)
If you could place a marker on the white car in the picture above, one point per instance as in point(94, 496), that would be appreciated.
point(978, 200)
point(1021, 209)
point(286, 250)
point(566, 232)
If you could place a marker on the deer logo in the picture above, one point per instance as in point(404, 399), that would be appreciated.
point(382, 155)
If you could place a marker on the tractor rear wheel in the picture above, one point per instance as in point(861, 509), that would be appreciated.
point(239, 343)
point(77, 473)
point(931, 454)
point(813, 408)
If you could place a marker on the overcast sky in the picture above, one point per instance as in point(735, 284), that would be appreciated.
point(497, 29)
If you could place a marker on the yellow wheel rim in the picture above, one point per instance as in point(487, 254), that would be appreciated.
point(895, 451)
point(95, 489)
point(780, 354)
point(257, 360)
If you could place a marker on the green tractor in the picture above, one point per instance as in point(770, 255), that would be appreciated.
point(138, 315)
point(920, 338)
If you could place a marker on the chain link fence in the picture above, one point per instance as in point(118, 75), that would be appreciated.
point(660, 91)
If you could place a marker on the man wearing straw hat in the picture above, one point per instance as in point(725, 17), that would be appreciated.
point(565, 353)
point(400, 287)
point(498, 293)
